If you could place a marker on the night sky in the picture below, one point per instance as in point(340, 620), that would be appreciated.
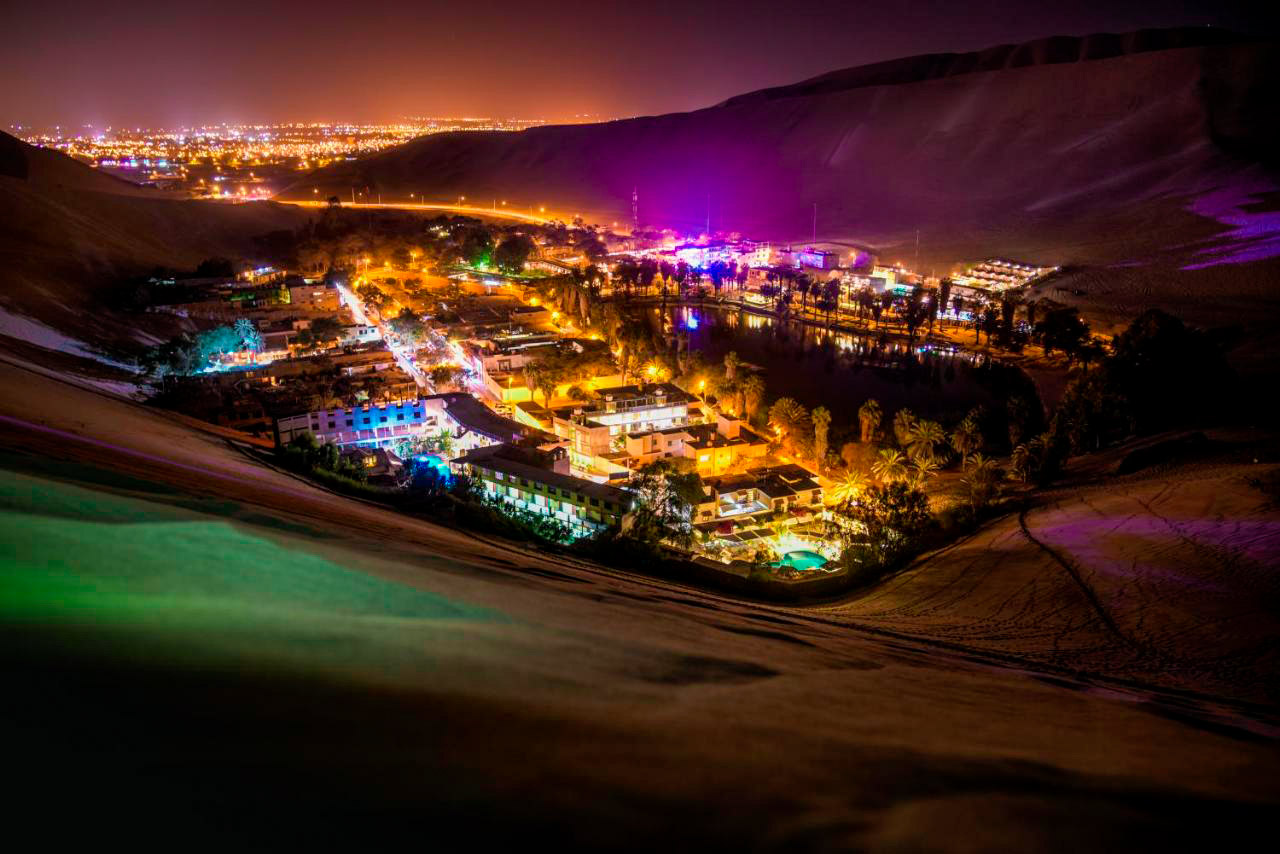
point(179, 63)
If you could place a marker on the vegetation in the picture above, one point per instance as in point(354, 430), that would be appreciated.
point(512, 253)
point(878, 529)
point(409, 327)
point(186, 354)
point(303, 454)
point(665, 496)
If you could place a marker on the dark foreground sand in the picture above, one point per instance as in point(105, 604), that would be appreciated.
point(201, 651)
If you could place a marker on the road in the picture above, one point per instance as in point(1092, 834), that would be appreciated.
point(403, 355)
point(500, 213)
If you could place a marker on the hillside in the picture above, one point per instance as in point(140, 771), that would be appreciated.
point(257, 659)
point(1146, 152)
point(70, 230)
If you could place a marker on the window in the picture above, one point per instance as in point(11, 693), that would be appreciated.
point(400, 417)
point(382, 420)
point(350, 423)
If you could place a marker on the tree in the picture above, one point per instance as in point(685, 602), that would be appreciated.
point(879, 526)
point(1062, 329)
point(1038, 459)
point(890, 466)
point(869, 420)
point(849, 486)
point(924, 440)
point(731, 365)
point(921, 469)
point(327, 328)
point(753, 389)
point(982, 482)
point(409, 327)
point(904, 423)
point(944, 294)
point(591, 246)
point(542, 376)
point(786, 417)
point(216, 342)
point(512, 253)
point(475, 246)
point(966, 438)
point(1021, 419)
point(821, 417)
point(250, 337)
point(664, 501)
point(1169, 373)
point(372, 297)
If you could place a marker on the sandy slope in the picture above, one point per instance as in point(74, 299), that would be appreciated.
point(1167, 578)
point(1135, 165)
point(230, 647)
point(69, 231)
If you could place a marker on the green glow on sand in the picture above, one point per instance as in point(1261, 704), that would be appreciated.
point(183, 584)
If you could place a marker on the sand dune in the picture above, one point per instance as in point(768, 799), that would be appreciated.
point(262, 662)
point(70, 230)
point(1094, 153)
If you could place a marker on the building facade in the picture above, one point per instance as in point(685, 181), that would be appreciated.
point(468, 422)
point(538, 482)
point(600, 426)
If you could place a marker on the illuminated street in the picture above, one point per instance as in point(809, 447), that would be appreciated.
point(792, 428)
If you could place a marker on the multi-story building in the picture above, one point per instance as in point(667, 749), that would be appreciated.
point(315, 296)
point(600, 426)
point(359, 334)
point(998, 275)
point(469, 422)
point(819, 258)
point(742, 509)
point(537, 480)
point(714, 448)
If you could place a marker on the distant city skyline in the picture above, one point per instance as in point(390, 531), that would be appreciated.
point(156, 65)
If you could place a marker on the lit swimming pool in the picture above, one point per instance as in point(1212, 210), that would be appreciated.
point(803, 560)
point(438, 463)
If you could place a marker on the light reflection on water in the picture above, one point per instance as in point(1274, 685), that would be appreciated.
point(840, 370)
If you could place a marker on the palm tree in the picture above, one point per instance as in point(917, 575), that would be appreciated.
point(752, 394)
point(785, 416)
point(904, 423)
point(924, 438)
point(850, 486)
point(890, 466)
point(922, 469)
point(821, 424)
point(612, 323)
point(869, 419)
point(731, 365)
point(966, 438)
point(1022, 463)
point(982, 480)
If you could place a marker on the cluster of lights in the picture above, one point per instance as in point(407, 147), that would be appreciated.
point(202, 158)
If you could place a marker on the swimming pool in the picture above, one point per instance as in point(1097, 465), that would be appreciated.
point(802, 560)
point(436, 462)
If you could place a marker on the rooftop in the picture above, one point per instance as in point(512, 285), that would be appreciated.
point(475, 416)
point(499, 458)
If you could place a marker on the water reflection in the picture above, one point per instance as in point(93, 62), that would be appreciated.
point(837, 369)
